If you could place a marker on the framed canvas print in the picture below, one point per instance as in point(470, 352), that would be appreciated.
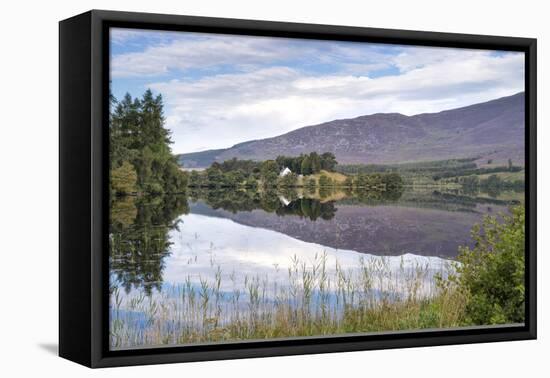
point(234, 188)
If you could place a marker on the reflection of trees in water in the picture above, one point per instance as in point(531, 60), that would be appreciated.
point(138, 238)
point(139, 228)
point(286, 202)
point(493, 191)
point(229, 199)
point(373, 196)
point(471, 201)
point(309, 208)
point(450, 200)
point(326, 191)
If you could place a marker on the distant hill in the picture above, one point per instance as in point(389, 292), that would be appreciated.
point(489, 130)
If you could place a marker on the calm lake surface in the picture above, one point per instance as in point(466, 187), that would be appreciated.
point(220, 246)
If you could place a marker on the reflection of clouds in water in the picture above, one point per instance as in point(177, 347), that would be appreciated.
point(260, 273)
point(202, 244)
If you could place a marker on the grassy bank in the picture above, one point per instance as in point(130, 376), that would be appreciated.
point(315, 300)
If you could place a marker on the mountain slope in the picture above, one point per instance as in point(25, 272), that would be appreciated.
point(492, 129)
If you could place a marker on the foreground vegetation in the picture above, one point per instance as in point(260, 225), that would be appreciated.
point(492, 274)
point(484, 287)
point(315, 300)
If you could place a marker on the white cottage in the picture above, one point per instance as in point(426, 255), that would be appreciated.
point(285, 172)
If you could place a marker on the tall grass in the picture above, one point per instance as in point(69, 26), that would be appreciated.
point(312, 300)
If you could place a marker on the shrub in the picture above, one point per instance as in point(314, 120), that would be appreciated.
point(492, 274)
point(124, 179)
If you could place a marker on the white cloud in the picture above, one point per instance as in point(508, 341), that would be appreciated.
point(199, 52)
point(119, 36)
point(164, 52)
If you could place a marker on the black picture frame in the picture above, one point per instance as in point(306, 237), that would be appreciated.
point(83, 193)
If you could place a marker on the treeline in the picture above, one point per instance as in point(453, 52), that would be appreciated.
point(386, 181)
point(250, 173)
point(476, 171)
point(308, 164)
point(460, 171)
point(141, 160)
point(239, 174)
point(305, 164)
point(418, 168)
point(213, 177)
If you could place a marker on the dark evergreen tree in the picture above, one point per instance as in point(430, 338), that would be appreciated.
point(138, 137)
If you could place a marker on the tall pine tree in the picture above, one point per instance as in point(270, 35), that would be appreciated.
point(138, 137)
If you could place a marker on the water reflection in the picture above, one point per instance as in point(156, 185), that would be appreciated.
point(222, 265)
point(203, 244)
point(427, 223)
point(283, 203)
point(140, 241)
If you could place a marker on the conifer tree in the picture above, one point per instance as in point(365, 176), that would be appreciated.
point(138, 137)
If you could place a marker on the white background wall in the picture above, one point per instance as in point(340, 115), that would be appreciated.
point(28, 186)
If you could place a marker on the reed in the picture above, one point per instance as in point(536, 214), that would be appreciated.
point(313, 300)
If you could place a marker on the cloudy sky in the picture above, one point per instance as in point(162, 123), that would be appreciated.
point(220, 90)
